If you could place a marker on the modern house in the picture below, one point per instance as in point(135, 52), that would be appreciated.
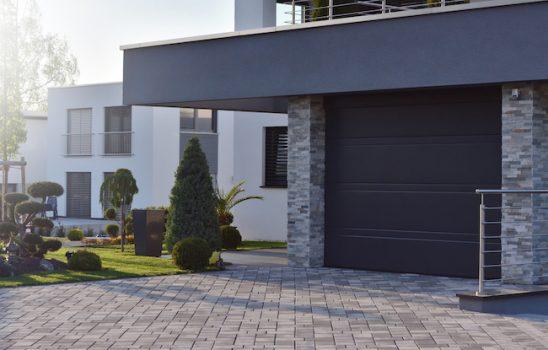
point(91, 133)
point(396, 115)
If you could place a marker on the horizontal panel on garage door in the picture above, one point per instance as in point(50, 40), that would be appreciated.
point(401, 176)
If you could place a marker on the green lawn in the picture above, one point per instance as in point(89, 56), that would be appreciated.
point(115, 265)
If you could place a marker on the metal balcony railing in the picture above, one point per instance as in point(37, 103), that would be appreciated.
point(117, 143)
point(494, 215)
point(302, 11)
point(78, 144)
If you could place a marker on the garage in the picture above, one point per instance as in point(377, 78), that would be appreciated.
point(401, 170)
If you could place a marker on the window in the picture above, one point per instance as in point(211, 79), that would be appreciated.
point(275, 160)
point(117, 137)
point(79, 194)
point(79, 132)
point(202, 120)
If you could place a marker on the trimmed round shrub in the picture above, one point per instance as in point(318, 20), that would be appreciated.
point(75, 235)
point(15, 198)
point(110, 214)
point(112, 230)
point(52, 245)
point(33, 239)
point(231, 237)
point(44, 223)
point(29, 208)
point(191, 253)
point(83, 260)
point(45, 189)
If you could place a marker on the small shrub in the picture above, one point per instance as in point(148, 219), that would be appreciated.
point(84, 260)
point(110, 214)
point(89, 233)
point(61, 232)
point(191, 253)
point(226, 219)
point(116, 241)
point(36, 247)
point(75, 235)
point(129, 225)
point(112, 230)
point(52, 245)
point(231, 237)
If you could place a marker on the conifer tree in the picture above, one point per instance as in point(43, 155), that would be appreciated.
point(192, 210)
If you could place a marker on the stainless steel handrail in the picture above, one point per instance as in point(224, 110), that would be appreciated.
point(304, 10)
point(483, 237)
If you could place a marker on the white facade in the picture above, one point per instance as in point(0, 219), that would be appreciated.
point(154, 154)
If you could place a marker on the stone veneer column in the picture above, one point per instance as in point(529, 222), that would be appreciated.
point(305, 181)
point(525, 166)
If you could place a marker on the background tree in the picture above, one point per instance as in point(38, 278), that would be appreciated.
point(192, 209)
point(118, 190)
point(30, 61)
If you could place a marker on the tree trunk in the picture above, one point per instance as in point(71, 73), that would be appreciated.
point(123, 228)
point(5, 172)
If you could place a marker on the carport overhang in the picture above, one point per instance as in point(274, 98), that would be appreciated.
point(488, 42)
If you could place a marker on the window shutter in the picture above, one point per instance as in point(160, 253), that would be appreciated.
point(276, 144)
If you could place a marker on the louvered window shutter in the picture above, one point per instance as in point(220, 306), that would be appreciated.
point(276, 144)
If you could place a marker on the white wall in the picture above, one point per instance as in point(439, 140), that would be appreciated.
point(258, 220)
point(165, 154)
point(154, 146)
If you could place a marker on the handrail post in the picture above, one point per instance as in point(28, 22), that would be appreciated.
point(293, 12)
point(481, 274)
point(442, 3)
point(330, 9)
point(383, 6)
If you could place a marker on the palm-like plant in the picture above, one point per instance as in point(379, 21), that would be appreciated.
point(227, 201)
point(118, 190)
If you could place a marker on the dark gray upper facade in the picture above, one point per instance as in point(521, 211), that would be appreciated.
point(256, 72)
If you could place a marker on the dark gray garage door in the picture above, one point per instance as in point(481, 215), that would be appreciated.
point(401, 172)
point(79, 195)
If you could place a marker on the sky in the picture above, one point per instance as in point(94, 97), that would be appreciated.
point(95, 29)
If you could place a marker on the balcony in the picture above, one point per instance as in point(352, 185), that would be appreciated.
point(117, 143)
point(78, 145)
point(303, 11)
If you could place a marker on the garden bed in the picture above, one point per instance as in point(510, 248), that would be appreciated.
point(115, 265)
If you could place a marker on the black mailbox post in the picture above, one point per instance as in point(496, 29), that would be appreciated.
point(149, 227)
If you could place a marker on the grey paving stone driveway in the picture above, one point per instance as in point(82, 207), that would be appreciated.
point(260, 307)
